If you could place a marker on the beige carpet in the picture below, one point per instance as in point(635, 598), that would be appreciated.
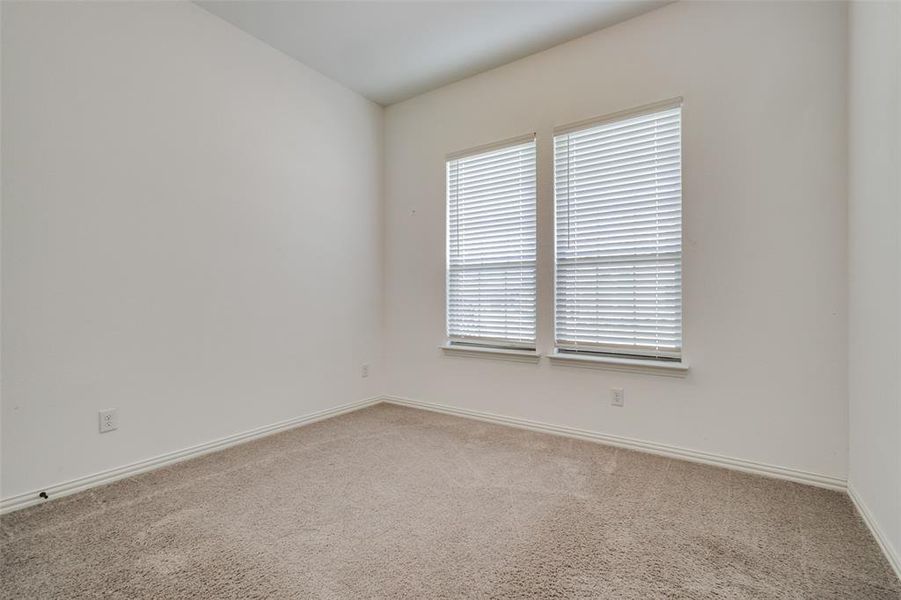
point(392, 502)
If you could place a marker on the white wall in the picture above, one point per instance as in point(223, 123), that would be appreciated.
point(171, 188)
point(191, 234)
point(875, 263)
point(765, 265)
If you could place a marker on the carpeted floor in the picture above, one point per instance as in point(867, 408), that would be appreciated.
point(392, 502)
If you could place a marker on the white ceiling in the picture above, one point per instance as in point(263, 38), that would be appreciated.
point(391, 51)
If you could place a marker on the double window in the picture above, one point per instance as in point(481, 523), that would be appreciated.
point(618, 230)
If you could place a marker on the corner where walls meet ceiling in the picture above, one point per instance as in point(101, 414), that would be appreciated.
point(391, 51)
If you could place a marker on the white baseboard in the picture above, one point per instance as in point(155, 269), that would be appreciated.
point(82, 483)
point(894, 558)
point(79, 484)
point(738, 464)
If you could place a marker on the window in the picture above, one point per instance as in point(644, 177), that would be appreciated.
point(618, 207)
point(491, 246)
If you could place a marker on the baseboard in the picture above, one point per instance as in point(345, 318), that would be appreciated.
point(82, 483)
point(738, 464)
point(73, 486)
point(888, 550)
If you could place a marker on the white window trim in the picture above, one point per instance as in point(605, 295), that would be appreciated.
point(513, 141)
point(476, 351)
point(637, 363)
point(464, 346)
point(619, 115)
point(615, 363)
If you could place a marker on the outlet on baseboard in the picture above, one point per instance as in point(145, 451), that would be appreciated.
point(364, 370)
point(617, 397)
point(109, 420)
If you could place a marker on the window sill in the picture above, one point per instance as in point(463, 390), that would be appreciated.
point(528, 356)
point(628, 365)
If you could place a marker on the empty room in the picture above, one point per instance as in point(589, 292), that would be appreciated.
point(434, 299)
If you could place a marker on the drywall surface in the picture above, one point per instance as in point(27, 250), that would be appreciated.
point(765, 241)
point(875, 263)
point(191, 235)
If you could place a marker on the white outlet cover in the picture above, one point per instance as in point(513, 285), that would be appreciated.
point(109, 420)
point(617, 396)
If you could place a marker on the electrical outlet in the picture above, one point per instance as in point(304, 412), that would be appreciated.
point(109, 420)
point(364, 371)
point(617, 396)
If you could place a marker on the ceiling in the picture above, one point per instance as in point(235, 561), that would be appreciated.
point(391, 51)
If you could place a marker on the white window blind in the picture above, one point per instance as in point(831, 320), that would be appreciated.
point(618, 203)
point(491, 246)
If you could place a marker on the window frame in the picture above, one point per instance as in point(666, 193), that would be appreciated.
point(488, 346)
point(600, 357)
